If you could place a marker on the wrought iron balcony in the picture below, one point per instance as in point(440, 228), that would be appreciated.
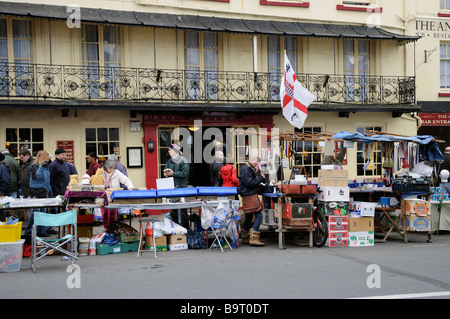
point(62, 82)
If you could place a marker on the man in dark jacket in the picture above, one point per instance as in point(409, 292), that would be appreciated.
point(215, 166)
point(26, 160)
point(249, 182)
point(59, 173)
point(5, 177)
point(14, 167)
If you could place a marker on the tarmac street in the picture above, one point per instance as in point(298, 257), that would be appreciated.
point(393, 269)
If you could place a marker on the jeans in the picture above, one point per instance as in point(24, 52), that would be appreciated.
point(256, 223)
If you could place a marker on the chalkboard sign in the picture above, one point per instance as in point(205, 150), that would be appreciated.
point(297, 170)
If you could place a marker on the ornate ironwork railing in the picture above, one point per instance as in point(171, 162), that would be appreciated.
point(61, 82)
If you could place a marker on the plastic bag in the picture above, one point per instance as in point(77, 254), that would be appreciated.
point(149, 230)
point(207, 216)
point(110, 239)
point(93, 243)
point(195, 241)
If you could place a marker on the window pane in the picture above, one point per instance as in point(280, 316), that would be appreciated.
point(102, 135)
point(102, 149)
point(91, 147)
point(11, 135)
point(38, 135)
point(113, 134)
point(20, 29)
point(90, 33)
point(91, 134)
point(24, 134)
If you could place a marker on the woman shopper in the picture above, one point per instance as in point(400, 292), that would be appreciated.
point(39, 188)
point(229, 173)
point(249, 181)
point(113, 179)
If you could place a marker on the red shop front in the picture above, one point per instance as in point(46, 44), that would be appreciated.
point(151, 123)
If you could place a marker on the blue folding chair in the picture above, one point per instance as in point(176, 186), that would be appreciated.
point(41, 247)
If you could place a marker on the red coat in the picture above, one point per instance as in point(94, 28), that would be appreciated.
point(93, 168)
point(229, 176)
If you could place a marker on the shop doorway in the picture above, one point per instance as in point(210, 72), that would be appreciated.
point(199, 170)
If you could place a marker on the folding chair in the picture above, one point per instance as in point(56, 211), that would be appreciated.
point(41, 247)
point(223, 226)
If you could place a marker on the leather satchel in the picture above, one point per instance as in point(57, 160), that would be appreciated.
point(251, 204)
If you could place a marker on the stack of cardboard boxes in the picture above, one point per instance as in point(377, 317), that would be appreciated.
point(361, 224)
point(418, 215)
point(333, 200)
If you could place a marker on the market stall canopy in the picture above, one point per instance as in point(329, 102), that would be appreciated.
point(193, 22)
point(359, 137)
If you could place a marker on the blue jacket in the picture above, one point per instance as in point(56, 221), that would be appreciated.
point(59, 177)
point(5, 179)
point(40, 181)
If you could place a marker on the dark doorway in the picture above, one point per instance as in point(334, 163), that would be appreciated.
point(199, 172)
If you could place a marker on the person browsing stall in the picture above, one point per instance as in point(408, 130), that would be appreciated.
point(249, 182)
point(59, 173)
point(113, 179)
point(93, 164)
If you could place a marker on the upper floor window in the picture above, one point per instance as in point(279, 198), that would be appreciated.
point(201, 52)
point(101, 58)
point(16, 47)
point(445, 65)
point(357, 66)
point(445, 5)
point(276, 47)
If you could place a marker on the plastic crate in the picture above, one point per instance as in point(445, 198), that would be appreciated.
point(178, 192)
point(145, 193)
point(217, 191)
point(10, 233)
point(11, 256)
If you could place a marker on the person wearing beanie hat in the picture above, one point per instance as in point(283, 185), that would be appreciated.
point(178, 167)
point(59, 173)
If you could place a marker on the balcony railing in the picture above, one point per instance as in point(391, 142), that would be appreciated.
point(61, 82)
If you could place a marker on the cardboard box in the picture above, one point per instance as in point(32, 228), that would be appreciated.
point(361, 239)
point(362, 209)
point(337, 242)
point(333, 208)
point(357, 224)
point(337, 223)
point(177, 242)
point(418, 207)
point(415, 223)
point(161, 243)
point(290, 189)
point(333, 178)
point(334, 194)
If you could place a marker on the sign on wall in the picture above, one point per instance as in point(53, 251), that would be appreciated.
point(68, 146)
point(435, 119)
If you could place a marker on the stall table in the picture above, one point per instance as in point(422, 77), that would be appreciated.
point(281, 229)
point(156, 207)
point(444, 220)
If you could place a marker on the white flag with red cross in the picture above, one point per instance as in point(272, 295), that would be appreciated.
point(295, 99)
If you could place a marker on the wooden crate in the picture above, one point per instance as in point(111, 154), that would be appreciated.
point(300, 223)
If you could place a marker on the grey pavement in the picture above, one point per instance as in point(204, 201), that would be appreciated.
point(417, 268)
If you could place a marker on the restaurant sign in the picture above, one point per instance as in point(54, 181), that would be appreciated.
point(435, 119)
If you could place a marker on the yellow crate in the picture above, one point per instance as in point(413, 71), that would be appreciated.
point(10, 233)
